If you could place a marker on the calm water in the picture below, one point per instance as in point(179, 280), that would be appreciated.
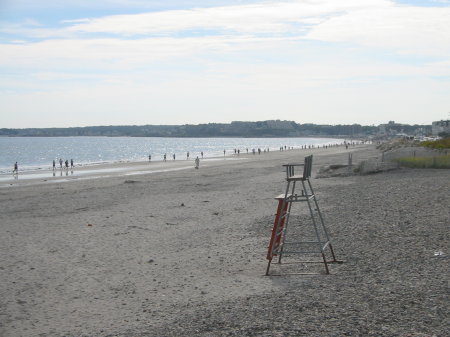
point(39, 152)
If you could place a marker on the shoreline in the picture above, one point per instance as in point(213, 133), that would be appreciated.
point(107, 153)
point(127, 168)
point(99, 170)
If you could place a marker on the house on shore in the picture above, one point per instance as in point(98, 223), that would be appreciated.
point(440, 127)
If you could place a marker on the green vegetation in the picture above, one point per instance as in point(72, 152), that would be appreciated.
point(273, 128)
point(438, 162)
point(437, 144)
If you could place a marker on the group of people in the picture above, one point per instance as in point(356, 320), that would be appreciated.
point(197, 160)
point(66, 164)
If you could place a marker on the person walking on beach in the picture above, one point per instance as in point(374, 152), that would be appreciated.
point(67, 164)
point(60, 163)
point(149, 157)
point(202, 154)
point(224, 152)
point(16, 168)
point(164, 157)
point(187, 155)
point(71, 163)
point(54, 165)
point(174, 156)
point(197, 162)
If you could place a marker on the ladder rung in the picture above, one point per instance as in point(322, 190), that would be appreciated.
point(300, 198)
point(324, 245)
point(300, 242)
point(302, 252)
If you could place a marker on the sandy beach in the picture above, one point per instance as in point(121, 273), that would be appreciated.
point(163, 249)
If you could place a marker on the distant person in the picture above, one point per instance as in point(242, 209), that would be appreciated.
point(54, 165)
point(239, 151)
point(67, 164)
point(164, 157)
point(197, 163)
point(16, 168)
point(224, 152)
point(149, 157)
point(60, 163)
point(71, 163)
point(187, 155)
point(174, 156)
point(202, 154)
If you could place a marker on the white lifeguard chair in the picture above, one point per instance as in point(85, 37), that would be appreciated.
point(318, 241)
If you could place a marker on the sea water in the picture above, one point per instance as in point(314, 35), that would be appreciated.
point(33, 153)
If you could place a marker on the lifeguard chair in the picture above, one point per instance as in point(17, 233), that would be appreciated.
point(318, 241)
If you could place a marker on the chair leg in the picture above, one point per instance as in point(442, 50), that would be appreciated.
point(268, 268)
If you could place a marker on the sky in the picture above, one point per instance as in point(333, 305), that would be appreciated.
point(67, 63)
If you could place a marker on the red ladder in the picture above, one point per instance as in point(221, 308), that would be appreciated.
point(278, 227)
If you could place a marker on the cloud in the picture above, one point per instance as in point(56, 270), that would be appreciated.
point(275, 17)
point(400, 28)
point(370, 23)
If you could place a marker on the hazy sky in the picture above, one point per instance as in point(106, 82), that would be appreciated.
point(116, 62)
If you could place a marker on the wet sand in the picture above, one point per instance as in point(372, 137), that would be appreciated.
point(174, 251)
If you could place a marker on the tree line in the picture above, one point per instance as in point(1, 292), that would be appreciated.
point(233, 129)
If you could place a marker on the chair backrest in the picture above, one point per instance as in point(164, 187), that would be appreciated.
point(307, 168)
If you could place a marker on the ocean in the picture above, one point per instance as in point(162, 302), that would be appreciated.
point(33, 153)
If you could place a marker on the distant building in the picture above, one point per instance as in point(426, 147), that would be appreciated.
point(277, 124)
point(440, 126)
point(391, 128)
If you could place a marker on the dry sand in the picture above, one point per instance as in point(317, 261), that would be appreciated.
point(182, 253)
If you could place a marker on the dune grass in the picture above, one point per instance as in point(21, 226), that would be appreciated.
point(438, 162)
point(437, 144)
